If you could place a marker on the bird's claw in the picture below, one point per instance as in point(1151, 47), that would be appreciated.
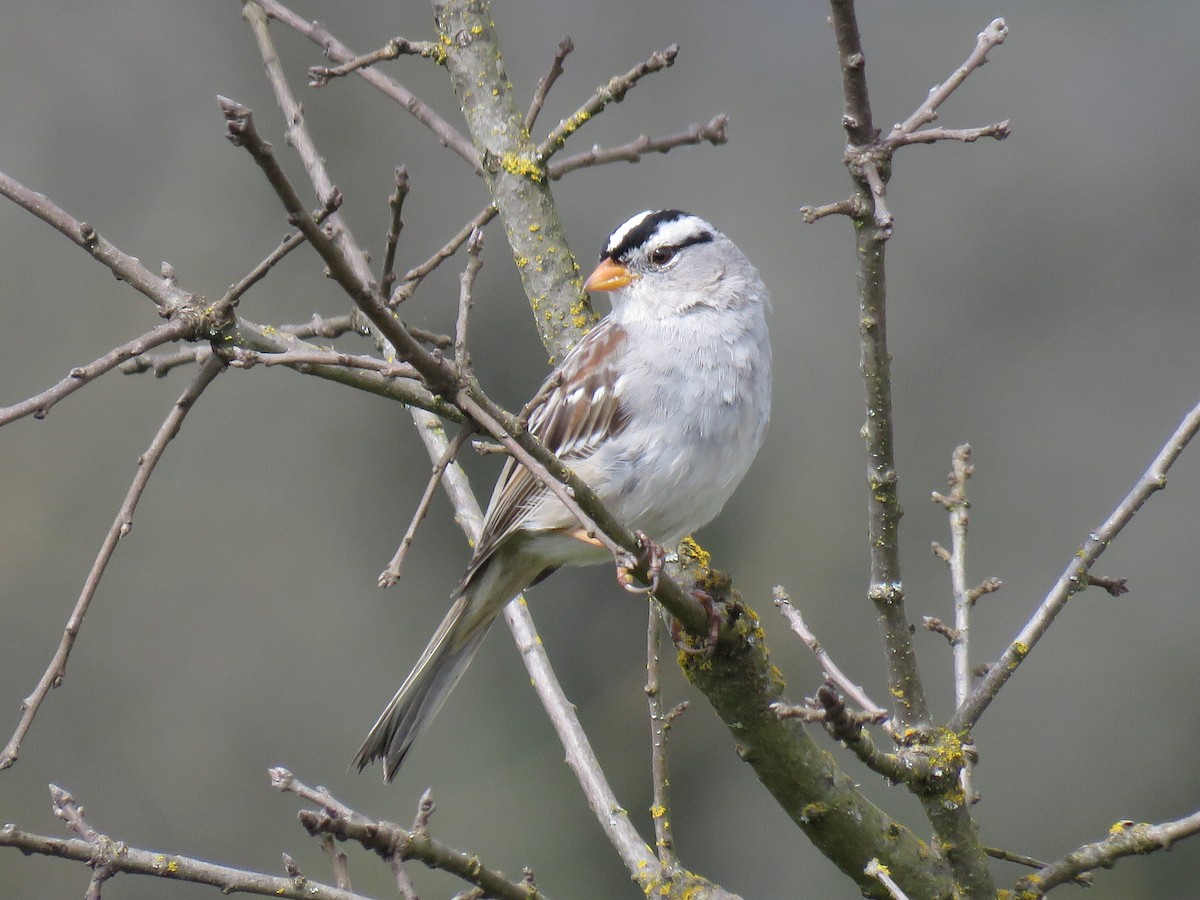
point(709, 641)
point(649, 552)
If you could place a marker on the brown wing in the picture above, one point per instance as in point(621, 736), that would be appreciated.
point(571, 420)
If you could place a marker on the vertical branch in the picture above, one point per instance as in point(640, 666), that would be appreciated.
point(660, 722)
point(955, 503)
point(517, 180)
point(869, 169)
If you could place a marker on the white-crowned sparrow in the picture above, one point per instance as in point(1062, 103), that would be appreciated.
point(660, 409)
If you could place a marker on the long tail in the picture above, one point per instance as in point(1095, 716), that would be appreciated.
point(442, 663)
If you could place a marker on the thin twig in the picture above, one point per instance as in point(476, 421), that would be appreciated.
point(391, 574)
point(466, 284)
point(715, 132)
point(1084, 879)
point(162, 291)
point(134, 861)
point(301, 141)
point(392, 841)
point(396, 203)
point(796, 621)
point(660, 724)
point(345, 263)
point(259, 272)
point(319, 76)
point(40, 404)
point(927, 112)
point(1074, 577)
point(413, 277)
point(1125, 838)
point(56, 670)
point(565, 46)
point(878, 870)
point(338, 861)
point(997, 130)
point(612, 92)
point(447, 134)
point(955, 503)
point(848, 207)
point(305, 358)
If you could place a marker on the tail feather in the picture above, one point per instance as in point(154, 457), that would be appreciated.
point(439, 668)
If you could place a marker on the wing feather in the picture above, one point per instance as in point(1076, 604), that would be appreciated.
point(572, 419)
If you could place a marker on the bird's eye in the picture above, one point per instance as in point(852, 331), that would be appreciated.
point(660, 256)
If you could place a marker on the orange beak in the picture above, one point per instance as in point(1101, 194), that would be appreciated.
point(608, 276)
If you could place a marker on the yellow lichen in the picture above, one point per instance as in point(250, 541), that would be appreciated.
point(693, 551)
point(515, 164)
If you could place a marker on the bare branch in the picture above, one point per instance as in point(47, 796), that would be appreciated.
point(346, 266)
point(414, 277)
point(1074, 577)
point(886, 589)
point(338, 861)
point(927, 112)
point(516, 176)
point(565, 46)
point(40, 404)
point(1083, 880)
point(391, 574)
point(876, 869)
point(120, 527)
point(997, 130)
point(960, 635)
point(162, 291)
point(1115, 586)
point(660, 724)
point(259, 272)
point(319, 76)
point(987, 586)
point(393, 842)
point(612, 92)
point(848, 207)
point(300, 140)
point(715, 133)
point(466, 282)
point(302, 360)
point(447, 134)
point(134, 861)
point(832, 671)
point(396, 203)
point(1125, 838)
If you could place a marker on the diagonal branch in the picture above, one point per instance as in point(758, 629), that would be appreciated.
point(1124, 839)
point(120, 527)
point(1074, 577)
point(40, 404)
point(927, 112)
point(166, 296)
point(612, 92)
point(447, 134)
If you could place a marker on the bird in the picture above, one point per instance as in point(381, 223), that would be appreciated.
point(660, 409)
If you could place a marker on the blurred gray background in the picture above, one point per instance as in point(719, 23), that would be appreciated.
point(1042, 307)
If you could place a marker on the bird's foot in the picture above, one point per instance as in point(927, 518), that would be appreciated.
point(708, 644)
point(648, 552)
